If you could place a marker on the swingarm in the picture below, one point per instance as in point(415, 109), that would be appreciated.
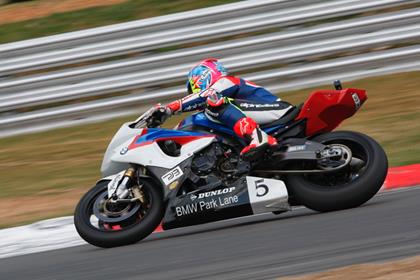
point(305, 156)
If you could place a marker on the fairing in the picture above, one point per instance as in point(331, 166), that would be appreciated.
point(125, 133)
point(144, 150)
point(140, 146)
point(324, 110)
point(246, 196)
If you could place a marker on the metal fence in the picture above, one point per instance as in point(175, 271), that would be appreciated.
point(302, 43)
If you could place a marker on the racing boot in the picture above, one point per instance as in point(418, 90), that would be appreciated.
point(259, 140)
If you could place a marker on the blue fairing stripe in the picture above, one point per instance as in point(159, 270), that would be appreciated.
point(154, 134)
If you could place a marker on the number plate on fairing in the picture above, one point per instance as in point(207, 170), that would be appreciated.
point(266, 195)
point(172, 175)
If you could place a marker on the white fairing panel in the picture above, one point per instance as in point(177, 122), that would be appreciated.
point(267, 195)
point(152, 155)
point(124, 134)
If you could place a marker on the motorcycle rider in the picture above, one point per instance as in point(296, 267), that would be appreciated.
point(239, 104)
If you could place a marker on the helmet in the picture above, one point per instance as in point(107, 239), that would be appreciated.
point(205, 74)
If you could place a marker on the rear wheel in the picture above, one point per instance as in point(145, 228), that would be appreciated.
point(348, 187)
point(103, 223)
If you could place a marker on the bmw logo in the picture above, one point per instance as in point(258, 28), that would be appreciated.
point(124, 151)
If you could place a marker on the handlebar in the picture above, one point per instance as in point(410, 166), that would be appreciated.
point(151, 118)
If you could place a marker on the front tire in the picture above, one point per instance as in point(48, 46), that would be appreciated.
point(101, 233)
point(347, 188)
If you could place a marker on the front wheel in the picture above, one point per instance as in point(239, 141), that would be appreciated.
point(103, 223)
point(349, 187)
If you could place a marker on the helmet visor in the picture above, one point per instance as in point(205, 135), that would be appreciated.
point(193, 85)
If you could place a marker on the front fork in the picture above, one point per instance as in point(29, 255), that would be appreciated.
point(125, 184)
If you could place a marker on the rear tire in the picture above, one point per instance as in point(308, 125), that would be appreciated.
point(346, 188)
point(128, 234)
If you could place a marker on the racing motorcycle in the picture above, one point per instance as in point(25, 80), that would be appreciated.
point(194, 173)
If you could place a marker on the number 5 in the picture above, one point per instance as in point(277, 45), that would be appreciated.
point(259, 185)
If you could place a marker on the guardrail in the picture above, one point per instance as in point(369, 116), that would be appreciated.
point(290, 44)
point(154, 77)
point(158, 23)
point(229, 26)
point(342, 28)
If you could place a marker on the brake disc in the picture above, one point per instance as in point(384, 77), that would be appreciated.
point(111, 212)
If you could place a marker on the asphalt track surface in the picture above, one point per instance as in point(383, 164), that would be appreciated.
point(259, 247)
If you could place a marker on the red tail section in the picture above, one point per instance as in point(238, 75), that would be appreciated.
point(326, 109)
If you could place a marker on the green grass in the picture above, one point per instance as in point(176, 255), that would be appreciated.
point(60, 165)
point(98, 16)
point(54, 161)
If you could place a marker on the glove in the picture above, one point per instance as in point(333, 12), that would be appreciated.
point(161, 113)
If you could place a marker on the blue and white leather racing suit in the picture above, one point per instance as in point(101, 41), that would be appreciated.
point(230, 99)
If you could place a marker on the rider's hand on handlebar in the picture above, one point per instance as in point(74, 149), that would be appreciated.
point(160, 114)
